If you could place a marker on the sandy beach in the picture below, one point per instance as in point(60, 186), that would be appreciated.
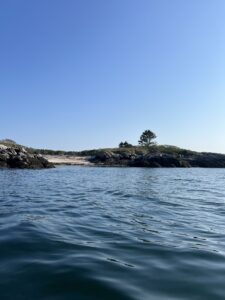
point(68, 160)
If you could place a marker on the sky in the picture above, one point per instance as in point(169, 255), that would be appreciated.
point(83, 74)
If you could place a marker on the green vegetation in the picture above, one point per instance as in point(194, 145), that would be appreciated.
point(125, 145)
point(146, 146)
point(8, 142)
point(140, 150)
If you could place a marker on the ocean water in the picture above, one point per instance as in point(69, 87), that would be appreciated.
point(112, 233)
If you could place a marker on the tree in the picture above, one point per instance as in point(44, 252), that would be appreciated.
point(125, 145)
point(146, 138)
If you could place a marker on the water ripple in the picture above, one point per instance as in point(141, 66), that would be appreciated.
point(112, 233)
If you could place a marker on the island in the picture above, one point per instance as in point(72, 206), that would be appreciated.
point(146, 154)
point(156, 157)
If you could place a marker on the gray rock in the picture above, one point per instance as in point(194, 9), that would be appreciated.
point(17, 157)
point(23, 150)
point(156, 160)
point(3, 147)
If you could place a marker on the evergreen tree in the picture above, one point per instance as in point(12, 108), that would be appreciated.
point(146, 138)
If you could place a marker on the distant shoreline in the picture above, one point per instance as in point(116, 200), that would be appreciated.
point(156, 156)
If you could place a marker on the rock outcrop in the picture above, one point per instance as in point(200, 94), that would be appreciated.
point(19, 157)
point(157, 160)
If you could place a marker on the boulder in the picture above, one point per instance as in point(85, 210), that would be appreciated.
point(103, 156)
point(3, 147)
point(18, 157)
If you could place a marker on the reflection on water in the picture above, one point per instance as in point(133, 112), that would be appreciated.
point(112, 233)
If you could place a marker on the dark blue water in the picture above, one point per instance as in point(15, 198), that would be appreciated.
point(112, 233)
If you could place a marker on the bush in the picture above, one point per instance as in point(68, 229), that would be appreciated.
point(125, 145)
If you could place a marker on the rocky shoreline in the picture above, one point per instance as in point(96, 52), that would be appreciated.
point(19, 157)
point(158, 160)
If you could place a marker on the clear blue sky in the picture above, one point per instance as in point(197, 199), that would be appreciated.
point(78, 74)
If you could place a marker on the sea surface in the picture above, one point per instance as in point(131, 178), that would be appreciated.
point(89, 233)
